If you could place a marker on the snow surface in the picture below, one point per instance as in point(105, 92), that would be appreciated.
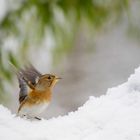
point(114, 116)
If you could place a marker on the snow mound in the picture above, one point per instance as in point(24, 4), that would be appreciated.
point(114, 116)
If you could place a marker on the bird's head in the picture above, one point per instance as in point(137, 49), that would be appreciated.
point(46, 81)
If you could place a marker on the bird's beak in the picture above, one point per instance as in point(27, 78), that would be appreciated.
point(57, 78)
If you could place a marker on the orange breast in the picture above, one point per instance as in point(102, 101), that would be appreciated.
point(38, 96)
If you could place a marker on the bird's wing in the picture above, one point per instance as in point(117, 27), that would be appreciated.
point(27, 77)
point(30, 74)
point(22, 83)
point(23, 87)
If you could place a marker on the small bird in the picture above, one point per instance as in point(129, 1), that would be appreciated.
point(35, 91)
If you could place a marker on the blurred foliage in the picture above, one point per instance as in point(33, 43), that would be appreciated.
point(28, 21)
point(133, 28)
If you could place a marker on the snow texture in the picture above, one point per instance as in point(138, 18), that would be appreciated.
point(114, 116)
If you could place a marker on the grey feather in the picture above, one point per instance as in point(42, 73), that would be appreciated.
point(22, 83)
point(23, 87)
point(31, 74)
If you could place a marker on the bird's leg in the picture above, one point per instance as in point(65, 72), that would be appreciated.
point(37, 118)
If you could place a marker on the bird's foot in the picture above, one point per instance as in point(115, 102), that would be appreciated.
point(37, 118)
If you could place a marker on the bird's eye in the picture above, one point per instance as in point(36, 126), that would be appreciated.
point(49, 77)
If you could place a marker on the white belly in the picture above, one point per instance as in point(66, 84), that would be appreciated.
point(33, 111)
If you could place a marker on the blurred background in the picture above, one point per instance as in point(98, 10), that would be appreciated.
point(92, 44)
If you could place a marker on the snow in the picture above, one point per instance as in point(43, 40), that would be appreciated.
point(113, 116)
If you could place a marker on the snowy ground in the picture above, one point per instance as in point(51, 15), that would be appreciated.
point(114, 116)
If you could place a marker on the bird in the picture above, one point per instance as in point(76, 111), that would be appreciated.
point(35, 91)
